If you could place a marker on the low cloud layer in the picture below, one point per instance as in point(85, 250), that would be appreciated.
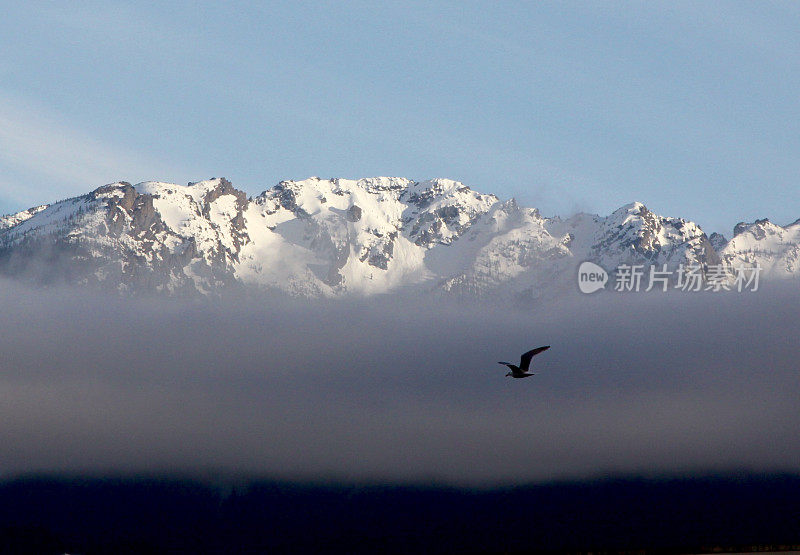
point(400, 391)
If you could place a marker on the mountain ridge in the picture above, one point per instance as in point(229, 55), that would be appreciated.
point(337, 237)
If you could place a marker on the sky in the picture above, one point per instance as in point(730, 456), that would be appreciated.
point(406, 391)
point(691, 108)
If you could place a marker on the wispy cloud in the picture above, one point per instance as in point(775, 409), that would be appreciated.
point(53, 158)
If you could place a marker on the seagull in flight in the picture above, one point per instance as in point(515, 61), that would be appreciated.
point(521, 371)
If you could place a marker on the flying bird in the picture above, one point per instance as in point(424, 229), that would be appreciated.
point(521, 371)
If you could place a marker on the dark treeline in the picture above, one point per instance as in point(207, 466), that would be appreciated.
point(674, 515)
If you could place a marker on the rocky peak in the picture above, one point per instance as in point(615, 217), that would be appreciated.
point(224, 187)
point(638, 235)
point(11, 220)
point(423, 194)
point(128, 211)
point(759, 229)
point(718, 241)
point(629, 210)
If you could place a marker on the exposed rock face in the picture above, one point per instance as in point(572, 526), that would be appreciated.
point(758, 228)
point(446, 210)
point(13, 219)
point(635, 235)
point(115, 237)
point(774, 248)
point(718, 241)
point(354, 213)
point(516, 251)
point(335, 237)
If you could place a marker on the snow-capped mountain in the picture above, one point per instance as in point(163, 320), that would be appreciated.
point(345, 237)
point(776, 249)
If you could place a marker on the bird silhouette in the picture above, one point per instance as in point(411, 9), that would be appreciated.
point(521, 371)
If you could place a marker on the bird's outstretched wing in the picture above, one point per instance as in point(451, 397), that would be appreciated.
point(507, 364)
point(525, 361)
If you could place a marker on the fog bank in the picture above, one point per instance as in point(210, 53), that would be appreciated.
point(398, 390)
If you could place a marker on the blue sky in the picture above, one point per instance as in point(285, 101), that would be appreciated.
point(691, 108)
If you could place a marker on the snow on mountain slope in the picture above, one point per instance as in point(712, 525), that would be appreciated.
point(337, 237)
point(634, 235)
point(345, 236)
point(15, 219)
point(776, 249)
point(153, 237)
point(514, 250)
point(530, 254)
